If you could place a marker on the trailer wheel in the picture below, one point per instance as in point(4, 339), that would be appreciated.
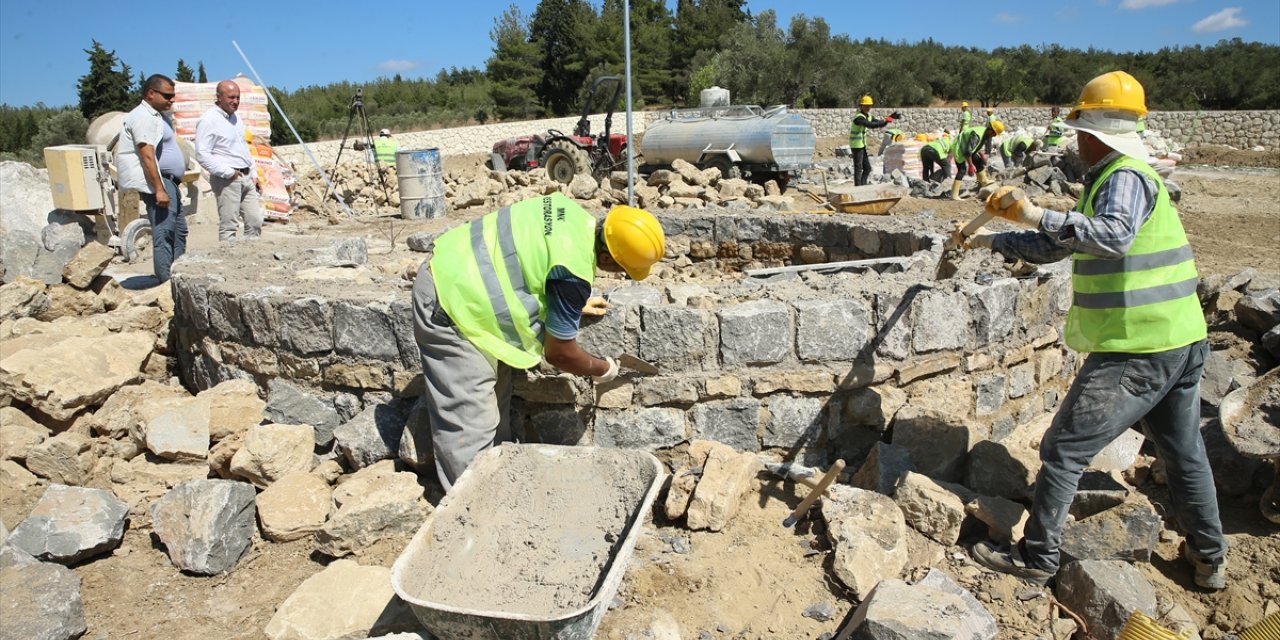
point(135, 243)
point(728, 170)
point(564, 160)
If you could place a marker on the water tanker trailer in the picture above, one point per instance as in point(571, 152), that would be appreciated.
point(743, 141)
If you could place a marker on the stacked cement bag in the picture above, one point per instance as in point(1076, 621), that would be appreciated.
point(903, 155)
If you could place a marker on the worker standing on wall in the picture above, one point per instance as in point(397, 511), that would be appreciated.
point(967, 151)
point(385, 148)
point(858, 138)
point(935, 152)
point(1136, 313)
point(507, 291)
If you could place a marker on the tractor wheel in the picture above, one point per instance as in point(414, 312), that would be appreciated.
point(563, 160)
point(728, 169)
point(135, 244)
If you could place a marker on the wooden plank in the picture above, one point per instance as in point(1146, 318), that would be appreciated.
point(826, 266)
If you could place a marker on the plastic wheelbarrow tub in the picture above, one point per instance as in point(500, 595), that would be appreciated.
point(531, 543)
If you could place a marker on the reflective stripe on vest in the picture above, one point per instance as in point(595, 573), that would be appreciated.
point(857, 132)
point(1056, 131)
point(1145, 302)
point(491, 273)
point(960, 150)
point(385, 149)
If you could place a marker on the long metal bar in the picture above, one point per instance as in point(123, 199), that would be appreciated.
point(284, 115)
point(631, 157)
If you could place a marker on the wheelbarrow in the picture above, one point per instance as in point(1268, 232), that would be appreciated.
point(870, 199)
point(1250, 419)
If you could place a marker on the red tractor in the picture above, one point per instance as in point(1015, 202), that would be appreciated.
point(565, 156)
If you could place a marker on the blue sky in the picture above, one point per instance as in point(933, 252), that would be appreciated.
point(295, 44)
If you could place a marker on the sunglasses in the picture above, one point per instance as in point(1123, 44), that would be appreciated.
point(166, 96)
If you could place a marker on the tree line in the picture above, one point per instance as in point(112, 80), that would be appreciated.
point(541, 64)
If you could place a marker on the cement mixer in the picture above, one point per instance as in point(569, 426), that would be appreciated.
point(743, 141)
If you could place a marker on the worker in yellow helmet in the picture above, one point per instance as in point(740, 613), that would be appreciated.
point(964, 116)
point(1136, 314)
point(934, 152)
point(967, 151)
point(507, 291)
point(991, 117)
point(858, 138)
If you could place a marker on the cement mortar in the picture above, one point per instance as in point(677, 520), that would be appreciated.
point(530, 534)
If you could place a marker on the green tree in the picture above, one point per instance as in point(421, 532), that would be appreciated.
point(105, 88)
point(559, 28)
point(184, 73)
point(698, 26)
point(513, 68)
point(651, 29)
point(64, 127)
point(200, 74)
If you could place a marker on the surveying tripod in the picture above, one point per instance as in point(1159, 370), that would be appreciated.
point(366, 136)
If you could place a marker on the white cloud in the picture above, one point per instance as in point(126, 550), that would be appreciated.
point(1143, 4)
point(1007, 18)
point(398, 66)
point(1220, 21)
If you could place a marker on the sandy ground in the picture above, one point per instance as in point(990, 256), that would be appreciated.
point(755, 578)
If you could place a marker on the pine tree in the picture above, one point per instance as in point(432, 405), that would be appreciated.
point(513, 68)
point(104, 88)
point(184, 73)
point(200, 75)
point(558, 29)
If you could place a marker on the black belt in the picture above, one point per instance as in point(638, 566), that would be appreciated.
point(173, 178)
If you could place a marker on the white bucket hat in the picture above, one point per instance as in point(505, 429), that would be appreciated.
point(384, 132)
point(1116, 129)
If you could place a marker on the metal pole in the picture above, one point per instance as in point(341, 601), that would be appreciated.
point(284, 115)
point(631, 156)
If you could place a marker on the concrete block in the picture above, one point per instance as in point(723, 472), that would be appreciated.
point(672, 333)
point(1105, 594)
point(561, 425)
point(990, 395)
point(364, 331)
point(828, 330)
point(884, 466)
point(735, 422)
point(654, 391)
point(794, 423)
point(757, 332)
point(995, 469)
point(939, 321)
point(1128, 532)
point(307, 324)
point(939, 442)
point(649, 429)
point(1022, 379)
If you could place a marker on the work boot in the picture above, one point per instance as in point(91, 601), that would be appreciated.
point(983, 180)
point(1211, 575)
point(955, 189)
point(1010, 562)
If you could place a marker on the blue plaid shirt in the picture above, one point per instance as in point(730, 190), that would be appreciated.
point(1121, 207)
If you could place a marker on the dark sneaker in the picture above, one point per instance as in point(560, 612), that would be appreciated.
point(1010, 562)
point(1209, 575)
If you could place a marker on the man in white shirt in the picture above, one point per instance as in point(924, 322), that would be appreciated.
point(222, 151)
point(151, 163)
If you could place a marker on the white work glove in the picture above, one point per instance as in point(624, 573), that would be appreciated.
point(596, 306)
point(980, 239)
point(609, 374)
point(1012, 204)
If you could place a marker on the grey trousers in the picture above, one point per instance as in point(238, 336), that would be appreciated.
point(237, 200)
point(1112, 393)
point(468, 393)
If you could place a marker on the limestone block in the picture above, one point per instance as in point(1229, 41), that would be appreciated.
point(930, 508)
point(68, 301)
point(70, 524)
point(64, 377)
point(307, 324)
point(294, 507)
point(50, 262)
point(289, 404)
point(273, 451)
point(757, 332)
point(1128, 532)
point(87, 264)
point(635, 295)
point(1022, 380)
point(832, 329)
point(993, 311)
point(1005, 519)
point(128, 411)
point(191, 301)
point(653, 391)
point(1002, 469)
point(364, 331)
point(821, 381)
point(234, 407)
point(939, 442)
point(422, 242)
point(1105, 594)
point(374, 503)
point(990, 395)
point(735, 422)
point(884, 467)
point(23, 298)
point(605, 336)
point(723, 386)
point(649, 429)
point(680, 491)
point(893, 322)
point(613, 395)
point(40, 600)
point(939, 321)
point(415, 443)
point(726, 477)
point(205, 525)
point(895, 609)
point(874, 407)
point(63, 459)
point(917, 369)
point(794, 422)
point(373, 435)
point(561, 425)
point(978, 624)
point(1259, 311)
point(1048, 365)
point(868, 532)
point(669, 333)
point(18, 434)
point(181, 433)
point(546, 389)
point(345, 600)
point(221, 454)
point(18, 252)
point(1120, 454)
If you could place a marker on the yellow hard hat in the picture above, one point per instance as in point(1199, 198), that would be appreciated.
point(1115, 90)
point(964, 105)
point(922, 137)
point(990, 110)
point(866, 101)
point(997, 126)
point(634, 238)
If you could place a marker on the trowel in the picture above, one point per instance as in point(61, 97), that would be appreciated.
point(636, 364)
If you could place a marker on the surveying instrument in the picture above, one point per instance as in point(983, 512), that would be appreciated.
point(365, 137)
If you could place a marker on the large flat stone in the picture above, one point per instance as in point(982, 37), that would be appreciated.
point(273, 451)
point(734, 422)
point(374, 503)
point(1105, 594)
point(928, 610)
point(40, 601)
point(868, 533)
point(63, 459)
point(757, 332)
point(672, 333)
point(70, 524)
point(72, 374)
point(939, 321)
point(345, 600)
point(294, 507)
point(832, 329)
point(234, 407)
point(289, 404)
point(87, 264)
point(205, 525)
point(182, 433)
point(649, 429)
point(18, 434)
point(373, 435)
point(1128, 532)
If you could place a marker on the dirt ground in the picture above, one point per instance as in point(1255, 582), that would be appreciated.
point(754, 579)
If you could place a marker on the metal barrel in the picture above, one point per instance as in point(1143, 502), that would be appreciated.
point(421, 180)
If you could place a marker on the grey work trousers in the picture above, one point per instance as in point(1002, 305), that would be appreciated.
point(468, 393)
point(1113, 392)
point(238, 201)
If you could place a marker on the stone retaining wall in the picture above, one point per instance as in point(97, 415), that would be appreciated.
point(815, 365)
point(1240, 129)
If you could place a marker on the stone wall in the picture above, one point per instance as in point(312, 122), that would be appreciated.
point(1240, 129)
point(813, 365)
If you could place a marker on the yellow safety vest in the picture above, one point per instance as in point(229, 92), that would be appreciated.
point(941, 145)
point(959, 148)
point(385, 149)
point(858, 132)
point(1145, 302)
point(1055, 133)
point(491, 273)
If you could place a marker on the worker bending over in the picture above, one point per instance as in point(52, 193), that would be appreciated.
point(506, 291)
point(1136, 314)
point(1015, 149)
point(858, 138)
point(934, 152)
point(967, 149)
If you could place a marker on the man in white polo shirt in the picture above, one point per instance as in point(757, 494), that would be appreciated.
point(151, 163)
point(222, 151)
